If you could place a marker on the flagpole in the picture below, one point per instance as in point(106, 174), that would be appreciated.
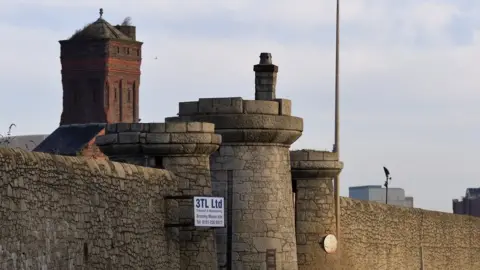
point(336, 148)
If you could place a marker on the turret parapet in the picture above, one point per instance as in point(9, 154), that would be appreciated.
point(314, 164)
point(159, 139)
point(239, 120)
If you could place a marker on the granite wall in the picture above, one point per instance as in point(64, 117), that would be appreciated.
point(72, 213)
point(383, 237)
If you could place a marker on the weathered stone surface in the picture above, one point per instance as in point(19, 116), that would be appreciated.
point(273, 136)
point(62, 213)
point(262, 207)
point(312, 175)
point(184, 149)
point(194, 138)
point(285, 106)
point(197, 246)
point(260, 107)
point(249, 121)
point(405, 235)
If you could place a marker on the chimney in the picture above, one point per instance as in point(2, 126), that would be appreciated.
point(128, 30)
point(265, 78)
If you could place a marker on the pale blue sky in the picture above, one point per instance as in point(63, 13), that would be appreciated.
point(410, 82)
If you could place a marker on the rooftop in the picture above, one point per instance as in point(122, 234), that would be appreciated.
point(68, 140)
point(99, 29)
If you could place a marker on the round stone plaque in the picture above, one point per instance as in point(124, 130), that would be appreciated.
point(329, 243)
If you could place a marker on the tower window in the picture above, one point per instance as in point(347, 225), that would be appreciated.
point(138, 52)
point(129, 94)
point(95, 86)
point(118, 50)
point(115, 90)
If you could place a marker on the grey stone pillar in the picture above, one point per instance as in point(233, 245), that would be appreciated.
point(183, 148)
point(312, 175)
point(252, 171)
point(265, 78)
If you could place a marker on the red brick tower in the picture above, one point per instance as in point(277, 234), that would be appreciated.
point(101, 74)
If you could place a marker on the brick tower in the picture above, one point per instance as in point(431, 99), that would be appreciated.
point(101, 74)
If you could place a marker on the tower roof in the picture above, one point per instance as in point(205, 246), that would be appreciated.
point(99, 29)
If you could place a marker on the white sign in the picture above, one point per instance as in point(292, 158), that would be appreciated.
point(209, 211)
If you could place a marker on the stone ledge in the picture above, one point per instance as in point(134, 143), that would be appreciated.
point(246, 121)
point(172, 127)
point(121, 150)
point(158, 138)
point(272, 136)
point(177, 138)
point(235, 105)
point(313, 155)
point(311, 164)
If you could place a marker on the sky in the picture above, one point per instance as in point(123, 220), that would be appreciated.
point(408, 80)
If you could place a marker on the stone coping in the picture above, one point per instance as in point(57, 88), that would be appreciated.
point(235, 105)
point(260, 128)
point(245, 121)
point(310, 154)
point(311, 164)
point(175, 138)
point(177, 127)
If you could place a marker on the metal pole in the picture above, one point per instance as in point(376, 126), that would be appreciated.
point(386, 192)
point(337, 118)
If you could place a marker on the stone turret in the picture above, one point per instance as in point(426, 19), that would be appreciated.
point(184, 149)
point(252, 171)
point(312, 175)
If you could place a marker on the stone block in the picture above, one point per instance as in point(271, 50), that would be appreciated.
point(316, 155)
point(285, 106)
point(129, 137)
point(123, 127)
point(136, 127)
point(107, 139)
point(216, 139)
point(158, 138)
point(330, 156)
point(220, 105)
point(208, 127)
point(191, 138)
point(188, 108)
point(157, 127)
point(176, 127)
point(173, 119)
point(194, 127)
point(260, 107)
point(205, 105)
point(111, 128)
point(298, 155)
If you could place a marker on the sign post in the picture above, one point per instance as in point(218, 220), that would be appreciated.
point(209, 211)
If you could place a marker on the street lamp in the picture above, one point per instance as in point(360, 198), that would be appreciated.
point(336, 146)
point(387, 178)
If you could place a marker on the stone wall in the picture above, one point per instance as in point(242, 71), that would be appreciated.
point(182, 148)
point(74, 213)
point(383, 237)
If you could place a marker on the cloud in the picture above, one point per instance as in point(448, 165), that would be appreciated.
point(409, 87)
